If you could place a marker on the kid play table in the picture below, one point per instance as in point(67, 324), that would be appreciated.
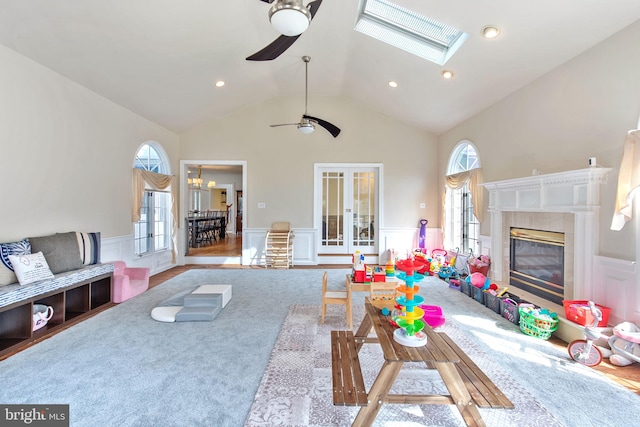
point(468, 387)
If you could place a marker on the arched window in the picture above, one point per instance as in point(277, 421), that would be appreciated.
point(462, 228)
point(152, 233)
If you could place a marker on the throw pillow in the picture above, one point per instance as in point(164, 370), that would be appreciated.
point(30, 268)
point(89, 246)
point(60, 250)
point(23, 247)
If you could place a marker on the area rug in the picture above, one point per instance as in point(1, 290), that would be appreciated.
point(296, 389)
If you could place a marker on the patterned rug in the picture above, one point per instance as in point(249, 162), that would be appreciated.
point(296, 387)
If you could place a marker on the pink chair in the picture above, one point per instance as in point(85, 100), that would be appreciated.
point(128, 281)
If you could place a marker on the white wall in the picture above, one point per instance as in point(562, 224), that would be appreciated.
point(280, 160)
point(66, 155)
point(581, 109)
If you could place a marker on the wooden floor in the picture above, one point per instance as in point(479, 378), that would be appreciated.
point(231, 245)
point(628, 376)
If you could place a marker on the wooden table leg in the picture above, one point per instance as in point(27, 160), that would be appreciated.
point(363, 331)
point(460, 394)
point(378, 394)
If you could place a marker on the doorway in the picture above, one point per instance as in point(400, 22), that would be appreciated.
point(347, 208)
point(215, 188)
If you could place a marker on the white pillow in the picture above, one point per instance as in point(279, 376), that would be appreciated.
point(30, 268)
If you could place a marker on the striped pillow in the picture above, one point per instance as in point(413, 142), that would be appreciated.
point(89, 245)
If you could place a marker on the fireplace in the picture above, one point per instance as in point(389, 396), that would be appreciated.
point(537, 262)
point(565, 202)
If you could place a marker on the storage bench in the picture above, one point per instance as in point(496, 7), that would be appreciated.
point(74, 295)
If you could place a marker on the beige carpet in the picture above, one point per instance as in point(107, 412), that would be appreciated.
point(296, 387)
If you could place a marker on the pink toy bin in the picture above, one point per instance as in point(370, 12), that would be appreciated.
point(433, 315)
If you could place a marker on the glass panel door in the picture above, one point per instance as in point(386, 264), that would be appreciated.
point(348, 209)
point(332, 210)
point(363, 202)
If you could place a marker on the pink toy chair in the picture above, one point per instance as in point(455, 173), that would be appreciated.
point(128, 281)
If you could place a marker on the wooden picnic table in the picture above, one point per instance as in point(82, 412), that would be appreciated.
point(468, 387)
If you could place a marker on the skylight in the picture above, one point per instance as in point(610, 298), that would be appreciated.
point(409, 31)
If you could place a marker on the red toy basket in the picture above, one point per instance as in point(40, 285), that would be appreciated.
point(484, 269)
point(578, 311)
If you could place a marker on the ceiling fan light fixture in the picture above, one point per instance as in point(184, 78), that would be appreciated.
point(289, 17)
point(306, 128)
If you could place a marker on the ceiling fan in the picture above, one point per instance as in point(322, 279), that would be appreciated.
point(307, 123)
point(290, 18)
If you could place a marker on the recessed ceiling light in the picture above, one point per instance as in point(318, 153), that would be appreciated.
point(490, 31)
point(220, 83)
point(393, 84)
point(447, 74)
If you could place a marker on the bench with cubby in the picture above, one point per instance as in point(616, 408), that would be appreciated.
point(74, 296)
point(60, 275)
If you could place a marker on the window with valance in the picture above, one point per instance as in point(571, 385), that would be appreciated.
point(463, 199)
point(154, 209)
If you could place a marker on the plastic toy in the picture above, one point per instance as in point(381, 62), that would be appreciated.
point(478, 280)
point(422, 240)
point(446, 273)
point(624, 343)
point(390, 269)
point(410, 320)
point(433, 315)
point(438, 260)
point(422, 257)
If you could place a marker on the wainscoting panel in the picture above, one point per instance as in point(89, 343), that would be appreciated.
point(404, 240)
point(304, 247)
point(121, 249)
point(253, 246)
point(305, 253)
point(616, 286)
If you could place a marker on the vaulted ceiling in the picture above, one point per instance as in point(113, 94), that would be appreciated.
point(161, 58)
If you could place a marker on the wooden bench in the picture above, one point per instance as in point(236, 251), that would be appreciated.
point(484, 393)
point(347, 380)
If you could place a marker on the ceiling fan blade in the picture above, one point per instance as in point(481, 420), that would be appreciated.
point(313, 7)
point(284, 124)
point(333, 129)
point(275, 49)
point(267, 1)
point(282, 43)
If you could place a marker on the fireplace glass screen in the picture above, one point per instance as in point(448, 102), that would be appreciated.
point(537, 263)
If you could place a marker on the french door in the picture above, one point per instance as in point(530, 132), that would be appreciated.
point(347, 209)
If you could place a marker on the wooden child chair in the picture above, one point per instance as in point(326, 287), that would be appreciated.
point(336, 297)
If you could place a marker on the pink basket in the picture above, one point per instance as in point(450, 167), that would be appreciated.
point(484, 269)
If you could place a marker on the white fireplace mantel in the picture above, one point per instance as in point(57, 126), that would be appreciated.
point(573, 192)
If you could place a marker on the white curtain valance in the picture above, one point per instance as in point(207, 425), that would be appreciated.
point(474, 178)
point(155, 181)
point(628, 180)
